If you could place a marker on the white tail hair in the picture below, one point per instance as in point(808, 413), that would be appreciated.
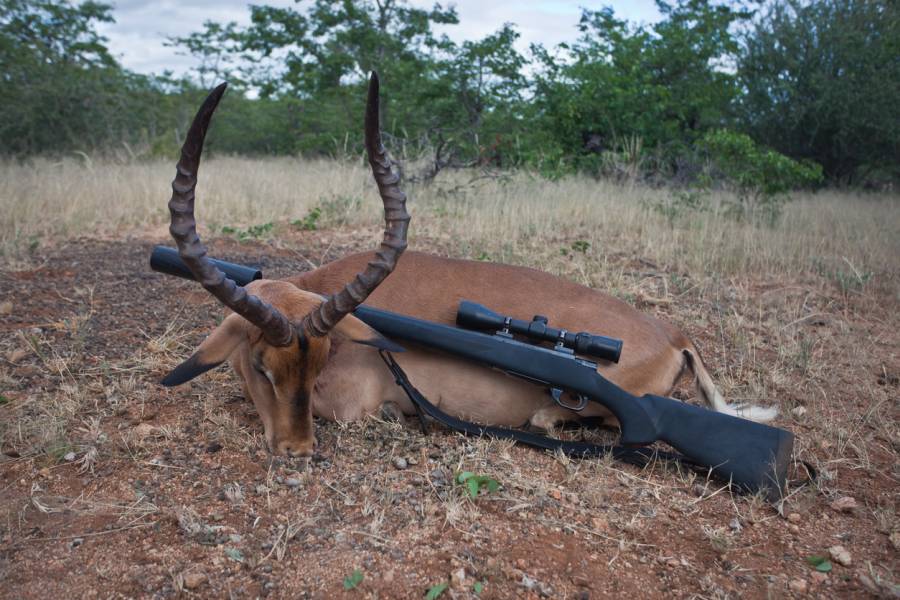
point(706, 389)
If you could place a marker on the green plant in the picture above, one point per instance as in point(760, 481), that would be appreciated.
point(252, 232)
point(672, 206)
point(853, 280)
point(760, 177)
point(819, 563)
point(308, 223)
point(581, 246)
point(473, 483)
point(353, 580)
point(436, 591)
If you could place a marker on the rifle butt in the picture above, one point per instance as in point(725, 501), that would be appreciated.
point(752, 456)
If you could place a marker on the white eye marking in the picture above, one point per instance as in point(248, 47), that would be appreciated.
point(269, 376)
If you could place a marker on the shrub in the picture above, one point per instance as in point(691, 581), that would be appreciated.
point(760, 177)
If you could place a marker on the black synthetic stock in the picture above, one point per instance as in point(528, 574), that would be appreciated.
point(166, 260)
point(751, 455)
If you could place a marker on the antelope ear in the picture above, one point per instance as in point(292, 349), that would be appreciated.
point(355, 330)
point(214, 350)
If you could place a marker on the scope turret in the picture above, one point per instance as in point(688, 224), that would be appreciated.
point(472, 315)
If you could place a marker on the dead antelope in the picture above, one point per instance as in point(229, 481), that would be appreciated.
point(298, 351)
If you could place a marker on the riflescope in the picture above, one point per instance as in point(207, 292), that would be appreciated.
point(472, 315)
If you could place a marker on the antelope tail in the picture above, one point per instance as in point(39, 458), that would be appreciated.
point(706, 389)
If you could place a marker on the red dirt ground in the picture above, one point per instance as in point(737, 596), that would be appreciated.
point(112, 486)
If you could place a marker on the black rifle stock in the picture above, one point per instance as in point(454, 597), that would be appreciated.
point(753, 456)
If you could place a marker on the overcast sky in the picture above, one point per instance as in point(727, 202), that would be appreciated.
point(136, 38)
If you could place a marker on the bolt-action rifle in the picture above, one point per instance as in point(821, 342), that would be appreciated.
point(753, 456)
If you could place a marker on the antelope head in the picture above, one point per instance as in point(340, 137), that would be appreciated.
point(278, 332)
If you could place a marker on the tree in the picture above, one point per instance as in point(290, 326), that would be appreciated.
point(55, 71)
point(665, 84)
point(821, 81)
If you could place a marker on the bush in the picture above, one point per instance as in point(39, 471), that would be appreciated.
point(760, 177)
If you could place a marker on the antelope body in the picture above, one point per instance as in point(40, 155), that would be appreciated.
point(298, 353)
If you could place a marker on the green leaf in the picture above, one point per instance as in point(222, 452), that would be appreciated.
point(353, 580)
point(472, 485)
point(478, 587)
point(464, 475)
point(435, 591)
point(821, 564)
point(492, 485)
point(4, 400)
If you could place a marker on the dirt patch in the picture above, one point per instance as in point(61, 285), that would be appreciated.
point(112, 486)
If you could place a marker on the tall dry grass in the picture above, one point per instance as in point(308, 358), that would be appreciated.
point(517, 218)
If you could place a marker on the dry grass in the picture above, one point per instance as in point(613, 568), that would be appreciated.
point(801, 315)
point(515, 218)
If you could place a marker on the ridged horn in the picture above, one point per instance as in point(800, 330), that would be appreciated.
point(320, 321)
point(275, 327)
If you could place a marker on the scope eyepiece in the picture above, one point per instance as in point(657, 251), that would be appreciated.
point(472, 315)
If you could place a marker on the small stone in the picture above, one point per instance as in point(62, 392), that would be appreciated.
point(528, 583)
point(798, 411)
point(400, 463)
point(844, 504)
point(698, 490)
point(735, 524)
point(818, 577)
point(793, 528)
point(235, 538)
point(794, 517)
point(798, 586)
point(76, 542)
point(895, 539)
point(555, 494)
point(672, 563)
point(458, 579)
point(840, 555)
point(69, 457)
point(292, 482)
point(6, 308)
point(388, 576)
point(870, 585)
point(216, 516)
point(600, 524)
point(194, 580)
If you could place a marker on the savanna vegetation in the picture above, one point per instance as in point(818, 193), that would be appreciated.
point(650, 161)
point(816, 82)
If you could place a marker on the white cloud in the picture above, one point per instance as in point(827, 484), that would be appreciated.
point(141, 27)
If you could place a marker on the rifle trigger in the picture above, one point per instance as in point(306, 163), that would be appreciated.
point(557, 393)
